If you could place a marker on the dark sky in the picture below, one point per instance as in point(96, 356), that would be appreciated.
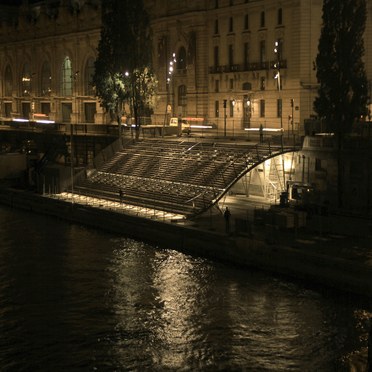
point(10, 2)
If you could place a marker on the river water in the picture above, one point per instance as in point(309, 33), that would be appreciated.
point(78, 299)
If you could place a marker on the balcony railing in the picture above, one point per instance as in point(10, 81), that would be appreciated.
point(255, 66)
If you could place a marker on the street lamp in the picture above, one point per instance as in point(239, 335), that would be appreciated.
point(168, 81)
point(292, 121)
point(233, 102)
point(224, 117)
point(277, 76)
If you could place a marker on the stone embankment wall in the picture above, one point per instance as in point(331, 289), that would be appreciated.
point(241, 250)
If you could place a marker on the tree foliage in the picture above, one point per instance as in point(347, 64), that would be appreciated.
point(123, 65)
point(342, 95)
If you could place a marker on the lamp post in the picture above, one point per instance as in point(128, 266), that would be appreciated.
point(233, 102)
point(292, 121)
point(277, 52)
point(278, 78)
point(168, 81)
point(72, 155)
point(224, 117)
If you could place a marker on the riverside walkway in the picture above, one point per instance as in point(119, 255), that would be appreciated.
point(333, 236)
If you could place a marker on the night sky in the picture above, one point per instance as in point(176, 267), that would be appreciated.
point(16, 2)
point(10, 2)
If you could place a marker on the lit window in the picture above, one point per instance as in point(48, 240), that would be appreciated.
point(67, 78)
point(46, 79)
point(26, 79)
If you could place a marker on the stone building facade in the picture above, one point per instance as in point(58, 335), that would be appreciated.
point(226, 64)
point(47, 53)
point(225, 67)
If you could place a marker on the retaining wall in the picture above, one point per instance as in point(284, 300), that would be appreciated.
point(298, 263)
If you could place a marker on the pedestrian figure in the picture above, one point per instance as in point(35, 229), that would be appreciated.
point(121, 195)
point(261, 133)
point(227, 215)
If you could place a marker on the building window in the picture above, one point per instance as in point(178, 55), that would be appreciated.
point(46, 79)
point(231, 24)
point(216, 57)
point(216, 109)
point(88, 77)
point(66, 108)
point(318, 164)
point(216, 86)
point(8, 80)
point(26, 80)
point(231, 2)
point(231, 55)
point(262, 83)
point(262, 51)
point(45, 108)
point(25, 110)
point(262, 19)
point(246, 55)
point(262, 108)
point(181, 59)
point(216, 4)
point(66, 86)
point(8, 109)
point(279, 49)
point(89, 111)
point(231, 107)
point(246, 22)
point(279, 105)
point(231, 84)
point(182, 99)
point(280, 16)
point(216, 28)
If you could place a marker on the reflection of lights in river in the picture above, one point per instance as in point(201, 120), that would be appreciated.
point(177, 287)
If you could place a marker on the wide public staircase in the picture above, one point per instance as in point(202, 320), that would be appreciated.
point(183, 176)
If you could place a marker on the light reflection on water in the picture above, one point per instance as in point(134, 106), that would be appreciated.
point(85, 300)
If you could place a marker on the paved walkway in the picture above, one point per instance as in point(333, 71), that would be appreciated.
point(344, 237)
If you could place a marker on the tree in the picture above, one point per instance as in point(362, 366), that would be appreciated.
point(342, 94)
point(123, 74)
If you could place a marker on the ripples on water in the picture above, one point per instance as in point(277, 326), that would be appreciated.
point(73, 298)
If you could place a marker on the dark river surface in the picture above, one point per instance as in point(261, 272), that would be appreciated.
point(78, 299)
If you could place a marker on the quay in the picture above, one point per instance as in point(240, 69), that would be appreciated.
point(327, 259)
